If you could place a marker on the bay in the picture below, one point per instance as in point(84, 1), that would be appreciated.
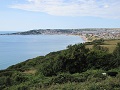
point(18, 48)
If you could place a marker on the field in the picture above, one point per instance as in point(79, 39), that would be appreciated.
point(110, 44)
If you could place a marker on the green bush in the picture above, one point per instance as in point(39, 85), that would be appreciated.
point(65, 77)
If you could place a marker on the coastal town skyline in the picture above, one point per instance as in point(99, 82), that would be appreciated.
point(23, 15)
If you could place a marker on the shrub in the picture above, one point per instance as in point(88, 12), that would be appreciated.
point(65, 77)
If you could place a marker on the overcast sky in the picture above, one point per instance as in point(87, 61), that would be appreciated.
point(22, 15)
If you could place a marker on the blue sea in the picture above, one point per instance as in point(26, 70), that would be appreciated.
point(17, 48)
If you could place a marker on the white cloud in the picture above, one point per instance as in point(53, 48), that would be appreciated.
point(97, 8)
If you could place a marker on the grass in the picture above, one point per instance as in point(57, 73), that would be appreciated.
point(110, 44)
point(89, 46)
point(110, 47)
point(30, 71)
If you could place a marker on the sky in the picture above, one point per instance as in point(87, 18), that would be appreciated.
point(23, 15)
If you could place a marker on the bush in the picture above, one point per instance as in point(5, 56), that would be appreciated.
point(65, 77)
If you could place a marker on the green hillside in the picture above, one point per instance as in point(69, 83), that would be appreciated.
point(75, 68)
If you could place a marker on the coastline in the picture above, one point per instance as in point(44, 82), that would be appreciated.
point(32, 46)
point(84, 38)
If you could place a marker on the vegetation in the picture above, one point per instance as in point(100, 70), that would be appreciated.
point(76, 68)
point(110, 44)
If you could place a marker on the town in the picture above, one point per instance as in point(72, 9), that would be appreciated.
point(89, 33)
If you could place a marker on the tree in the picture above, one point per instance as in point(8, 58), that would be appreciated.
point(116, 55)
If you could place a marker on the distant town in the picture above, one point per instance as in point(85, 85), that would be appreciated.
point(89, 33)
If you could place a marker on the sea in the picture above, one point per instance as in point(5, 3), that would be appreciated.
point(18, 48)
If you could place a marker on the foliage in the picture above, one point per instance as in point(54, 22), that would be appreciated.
point(98, 42)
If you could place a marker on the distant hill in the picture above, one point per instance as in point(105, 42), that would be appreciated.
point(89, 33)
point(64, 31)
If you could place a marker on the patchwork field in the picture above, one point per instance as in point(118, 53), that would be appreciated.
point(110, 44)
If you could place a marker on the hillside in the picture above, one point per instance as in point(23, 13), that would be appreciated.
point(76, 68)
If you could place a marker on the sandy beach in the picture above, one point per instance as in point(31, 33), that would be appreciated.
point(84, 38)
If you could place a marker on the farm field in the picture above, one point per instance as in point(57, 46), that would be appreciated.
point(110, 44)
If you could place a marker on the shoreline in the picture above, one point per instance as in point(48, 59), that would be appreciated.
point(34, 49)
point(84, 38)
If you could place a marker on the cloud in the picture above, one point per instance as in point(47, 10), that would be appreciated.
point(96, 8)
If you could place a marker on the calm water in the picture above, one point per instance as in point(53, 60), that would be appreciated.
point(18, 48)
